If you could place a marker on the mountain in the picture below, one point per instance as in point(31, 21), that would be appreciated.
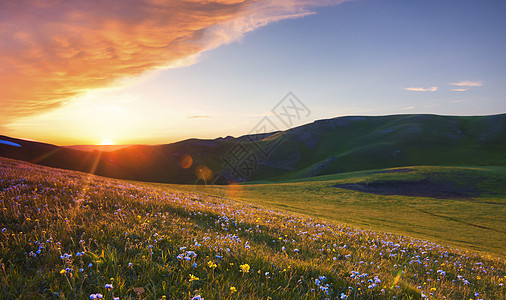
point(105, 148)
point(328, 146)
point(360, 143)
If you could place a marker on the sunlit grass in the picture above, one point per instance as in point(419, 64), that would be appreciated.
point(72, 235)
point(476, 223)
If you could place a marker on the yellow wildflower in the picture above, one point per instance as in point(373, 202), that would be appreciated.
point(193, 278)
point(211, 264)
point(244, 268)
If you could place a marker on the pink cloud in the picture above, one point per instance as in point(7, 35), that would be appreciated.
point(421, 89)
point(467, 83)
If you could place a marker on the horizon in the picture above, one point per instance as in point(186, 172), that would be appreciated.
point(237, 136)
point(139, 74)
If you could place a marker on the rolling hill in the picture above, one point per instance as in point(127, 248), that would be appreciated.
point(72, 235)
point(460, 206)
point(323, 147)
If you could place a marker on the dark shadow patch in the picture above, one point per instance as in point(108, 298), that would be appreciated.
point(420, 188)
point(403, 170)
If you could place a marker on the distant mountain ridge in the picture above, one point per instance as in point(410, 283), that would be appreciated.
point(105, 148)
point(328, 146)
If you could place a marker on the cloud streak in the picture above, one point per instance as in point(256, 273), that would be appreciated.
point(421, 89)
point(199, 117)
point(53, 50)
point(468, 83)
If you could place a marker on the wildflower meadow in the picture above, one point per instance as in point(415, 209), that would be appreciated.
point(70, 235)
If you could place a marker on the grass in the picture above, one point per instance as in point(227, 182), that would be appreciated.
point(475, 223)
point(71, 235)
point(349, 144)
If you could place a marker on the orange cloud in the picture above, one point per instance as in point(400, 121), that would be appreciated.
point(53, 50)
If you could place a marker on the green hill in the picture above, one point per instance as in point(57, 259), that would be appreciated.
point(363, 143)
point(330, 146)
point(460, 206)
point(71, 235)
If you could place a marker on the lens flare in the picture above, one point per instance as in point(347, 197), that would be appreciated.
point(204, 173)
point(234, 190)
point(185, 161)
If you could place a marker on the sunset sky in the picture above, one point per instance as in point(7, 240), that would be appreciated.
point(159, 71)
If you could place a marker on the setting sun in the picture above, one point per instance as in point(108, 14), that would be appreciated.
point(106, 142)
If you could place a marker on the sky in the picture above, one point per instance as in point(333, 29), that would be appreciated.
point(159, 71)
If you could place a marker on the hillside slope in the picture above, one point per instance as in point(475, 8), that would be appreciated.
point(329, 146)
point(460, 206)
point(70, 235)
point(362, 143)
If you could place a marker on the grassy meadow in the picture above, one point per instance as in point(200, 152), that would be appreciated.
point(475, 222)
point(70, 235)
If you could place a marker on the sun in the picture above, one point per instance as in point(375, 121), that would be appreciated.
point(107, 142)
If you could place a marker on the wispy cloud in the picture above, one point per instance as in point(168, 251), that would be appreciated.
point(421, 89)
point(459, 90)
point(52, 50)
point(468, 83)
point(198, 117)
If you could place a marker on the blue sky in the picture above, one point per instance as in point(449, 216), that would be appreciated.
point(357, 58)
point(364, 57)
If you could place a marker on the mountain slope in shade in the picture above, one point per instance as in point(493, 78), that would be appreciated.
point(360, 143)
point(329, 146)
point(105, 148)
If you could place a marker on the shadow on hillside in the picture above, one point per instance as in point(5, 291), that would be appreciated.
point(420, 188)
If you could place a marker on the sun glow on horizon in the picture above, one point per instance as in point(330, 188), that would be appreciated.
point(106, 142)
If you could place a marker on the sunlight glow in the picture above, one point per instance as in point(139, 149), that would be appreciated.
point(107, 142)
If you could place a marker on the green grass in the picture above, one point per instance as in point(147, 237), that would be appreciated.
point(475, 223)
point(66, 235)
